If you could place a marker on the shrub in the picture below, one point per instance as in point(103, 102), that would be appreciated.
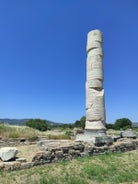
point(80, 123)
point(110, 126)
point(37, 124)
point(123, 123)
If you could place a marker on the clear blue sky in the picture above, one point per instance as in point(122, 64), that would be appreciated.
point(43, 57)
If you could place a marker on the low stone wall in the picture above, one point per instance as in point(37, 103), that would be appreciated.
point(81, 149)
point(58, 154)
point(13, 142)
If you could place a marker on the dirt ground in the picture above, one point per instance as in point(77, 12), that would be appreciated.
point(27, 151)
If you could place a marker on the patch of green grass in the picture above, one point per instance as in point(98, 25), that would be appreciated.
point(112, 168)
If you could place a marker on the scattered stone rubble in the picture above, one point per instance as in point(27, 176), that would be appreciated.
point(54, 152)
point(80, 149)
point(13, 142)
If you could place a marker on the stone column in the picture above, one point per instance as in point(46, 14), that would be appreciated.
point(95, 106)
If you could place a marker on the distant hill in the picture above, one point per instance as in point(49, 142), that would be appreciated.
point(22, 122)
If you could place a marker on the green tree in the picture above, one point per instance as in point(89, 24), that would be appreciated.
point(122, 123)
point(77, 123)
point(37, 124)
point(80, 123)
point(109, 126)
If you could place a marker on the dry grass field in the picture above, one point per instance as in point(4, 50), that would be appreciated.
point(14, 131)
point(27, 151)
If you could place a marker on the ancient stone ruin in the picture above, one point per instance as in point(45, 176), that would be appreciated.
point(95, 107)
point(95, 129)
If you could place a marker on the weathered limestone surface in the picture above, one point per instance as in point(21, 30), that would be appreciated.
point(8, 153)
point(95, 106)
point(81, 149)
point(128, 134)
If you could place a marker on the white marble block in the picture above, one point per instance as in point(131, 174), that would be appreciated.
point(97, 125)
point(7, 153)
point(95, 105)
point(94, 40)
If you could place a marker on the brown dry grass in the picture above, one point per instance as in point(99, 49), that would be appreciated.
point(27, 151)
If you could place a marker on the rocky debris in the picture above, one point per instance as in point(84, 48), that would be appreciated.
point(13, 142)
point(8, 153)
point(116, 138)
point(55, 154)
point(21, 160)
point(10, 166)
point(78, 131)
point(70, 151)
point(26, 165)
point(128, 134)
point(104, 140)
point(46, 144)
point(81, 149)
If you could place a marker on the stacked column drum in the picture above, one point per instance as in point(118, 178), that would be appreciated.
point(95, 105)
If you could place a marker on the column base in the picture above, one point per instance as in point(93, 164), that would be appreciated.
point(94, 132)
point(97, 137)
